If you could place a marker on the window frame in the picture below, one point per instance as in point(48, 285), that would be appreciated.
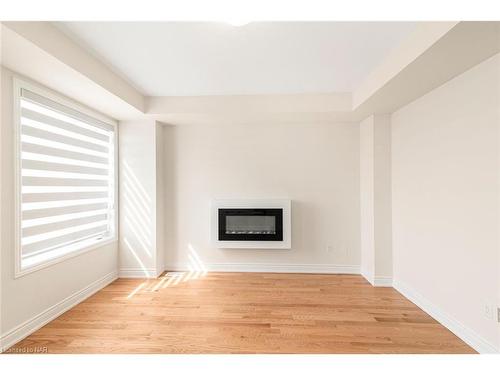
point(19, 84)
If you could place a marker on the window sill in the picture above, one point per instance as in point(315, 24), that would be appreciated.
point(46, 260)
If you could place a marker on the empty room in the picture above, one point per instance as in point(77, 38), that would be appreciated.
point(260, 187)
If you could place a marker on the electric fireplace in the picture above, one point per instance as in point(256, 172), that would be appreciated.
point(251, 223)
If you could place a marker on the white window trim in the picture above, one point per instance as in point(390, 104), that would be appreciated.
point(19, 84)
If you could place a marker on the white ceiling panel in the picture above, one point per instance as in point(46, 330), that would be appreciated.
point(203, 58)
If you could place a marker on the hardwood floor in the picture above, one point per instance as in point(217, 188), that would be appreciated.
point(245, 313)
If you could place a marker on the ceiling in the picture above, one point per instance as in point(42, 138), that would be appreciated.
point(208, 58)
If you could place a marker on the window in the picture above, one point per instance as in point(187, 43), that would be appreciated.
point(65, 179)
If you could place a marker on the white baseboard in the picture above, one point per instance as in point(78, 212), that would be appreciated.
point(271, 267)
point(378, 281)
point(28, 327)
point(466, 334)
point(383, 281)
point(138, 273)
point(367, 276)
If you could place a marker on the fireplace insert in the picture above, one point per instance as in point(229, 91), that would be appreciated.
point(250, 224)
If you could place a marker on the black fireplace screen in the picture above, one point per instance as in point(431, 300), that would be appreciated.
point(250, 224)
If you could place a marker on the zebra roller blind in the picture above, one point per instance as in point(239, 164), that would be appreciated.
point(67, 179)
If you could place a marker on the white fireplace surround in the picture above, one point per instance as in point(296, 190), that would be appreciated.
point(284, 204)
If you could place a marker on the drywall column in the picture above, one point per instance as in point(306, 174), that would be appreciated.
point(1, 184)
point(375, 200)
point(445, 148)
point(141, 212)
point(160, 198)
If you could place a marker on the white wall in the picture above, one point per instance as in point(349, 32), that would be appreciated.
point(445, 199)
point(160, 197)
point(1, 178)
point(30, 295)
point(375, 199)
point(315, 165)
point(367, 219)
point(383, 199)
point(141, 183)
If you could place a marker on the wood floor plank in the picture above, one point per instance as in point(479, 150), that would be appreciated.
point(244, 313)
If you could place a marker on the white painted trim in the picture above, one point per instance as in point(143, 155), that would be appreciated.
point(61, 258)
point(1, 184)
point(138, 273)
point(270, 267)
point(378, 281)
point(17, 85)
point(465, 333)
point(367, 277)
point(31, 325)
point(382, 281)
